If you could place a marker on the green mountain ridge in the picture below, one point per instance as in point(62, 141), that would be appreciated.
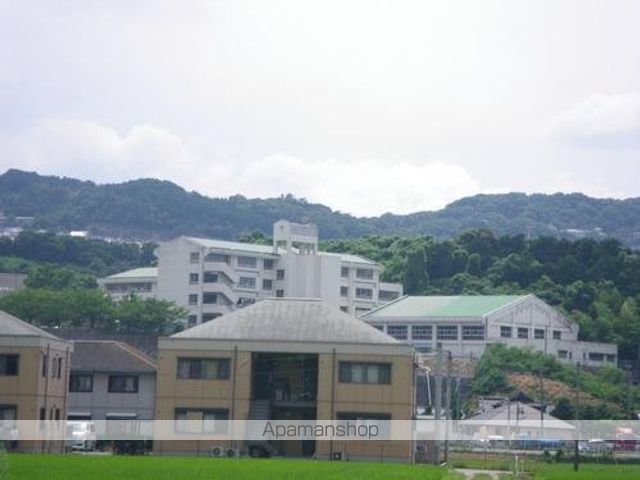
point(148, 209)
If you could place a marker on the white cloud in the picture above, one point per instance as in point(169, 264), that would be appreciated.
point(363, 187)
point(600, 120)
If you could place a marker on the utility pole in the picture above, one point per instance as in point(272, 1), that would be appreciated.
point(448, 408)
point(576, 452)
point(438, 401)
point(541, 403)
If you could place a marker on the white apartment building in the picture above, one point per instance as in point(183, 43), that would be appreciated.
point(465, 325)
point(140, 281)
point(212, 277)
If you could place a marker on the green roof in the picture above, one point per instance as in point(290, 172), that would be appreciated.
point(349, 258)
point(442, 307)
point(268, 249)
point(137, 273)
point(238, 246)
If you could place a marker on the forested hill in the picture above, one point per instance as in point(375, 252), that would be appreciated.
point(153, 209)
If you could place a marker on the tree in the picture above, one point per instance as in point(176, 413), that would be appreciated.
point(416, 277)
point(135, 315)
point(58, 278)
point(563, 409)
point(93, 309)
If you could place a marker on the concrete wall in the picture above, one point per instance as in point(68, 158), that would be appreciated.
point(234, 395)
point(306, 276)
point(30, 391)
point(100, 401)
point(530, 313)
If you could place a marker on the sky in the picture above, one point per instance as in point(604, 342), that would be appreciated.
point(366, 106)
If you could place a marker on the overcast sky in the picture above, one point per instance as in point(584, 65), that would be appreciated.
point(365, 106)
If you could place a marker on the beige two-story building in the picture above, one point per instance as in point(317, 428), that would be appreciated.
point(34, 376)
point(287, 359)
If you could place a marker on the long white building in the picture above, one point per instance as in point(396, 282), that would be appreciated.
point(466, 325)
point(212, 277)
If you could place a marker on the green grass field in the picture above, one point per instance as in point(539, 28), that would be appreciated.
point(70, 467)
point(564, 471)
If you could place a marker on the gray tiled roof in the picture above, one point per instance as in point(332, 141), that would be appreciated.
point(289, 320)
point(144, 272)
point(109, 356)
point(13, 326)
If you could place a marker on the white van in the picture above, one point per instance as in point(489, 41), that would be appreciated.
point(81, 435)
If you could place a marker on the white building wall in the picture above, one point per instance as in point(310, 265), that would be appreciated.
point(530, 314)
point(183, 263)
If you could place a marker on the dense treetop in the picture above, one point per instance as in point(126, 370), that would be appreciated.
point(597, 283)
point(152, 209)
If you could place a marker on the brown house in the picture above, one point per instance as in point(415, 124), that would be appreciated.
point(34, 374)
point(287, 359)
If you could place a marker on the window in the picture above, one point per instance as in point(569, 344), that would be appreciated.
point(194, 257)
point(129, 287)
point(267, 284)
point(557, 335)
point(279, 293)
point(387, 295)
point(193, 299)
point(421, 332)
point(54, 367)
point(209, 277)
point(370, 373)
point(355, 416)
point(364, 273)
point(267, 264)
point(216, 257)
point(610, 358)
point(280, 274)
point(207, 417)
point(596, 357)
point(523, 332)
point(204, 368)
point(192, 320)
point(245, 301)
point(473, 332)
point(344, 272)
point(247, 262)
point(9, 365)
point(538, 334)
point(344, 291)
point(563, 354)
point(447, 332)
point(506, 332)
point(247, 282)
point(207, 317)
point(59, 369)
point(209, 298)
point(123, 384)
point(399, 332)
point(194, 278)
point(364, 293)
point(344, 309)
point(43, 414)
point(45, 365)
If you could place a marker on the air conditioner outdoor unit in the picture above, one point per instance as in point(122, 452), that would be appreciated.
point(232, 453)
point(217, 451)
